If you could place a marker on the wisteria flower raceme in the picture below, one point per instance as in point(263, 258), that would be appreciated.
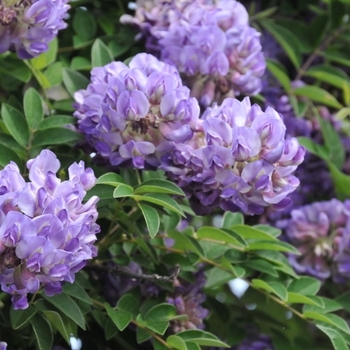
point(131, 115)
point(27, 26)
point(187, 299)
point(321, 232)
point(46, 231)
point(240, 160)
point(211, 43)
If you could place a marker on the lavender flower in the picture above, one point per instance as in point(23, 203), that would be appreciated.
point(46, 232)
point(27, 26)
point(321, 232)
point(261, 342)
point(3, 345)
point(211, 43)
point(132, 114)
point(187, 298)
point(239, 160)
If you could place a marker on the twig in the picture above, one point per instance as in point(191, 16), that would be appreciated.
point(319, 49)
point(124, 271)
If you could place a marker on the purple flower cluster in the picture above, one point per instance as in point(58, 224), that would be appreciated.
point(211, 43)
point(46, 232)
point(239, 160)
point(27, 26)
point(132, 114)
point(261, 342)
point(188, 298)
point(321, 232)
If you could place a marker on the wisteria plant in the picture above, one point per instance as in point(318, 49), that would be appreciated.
point(174, 175)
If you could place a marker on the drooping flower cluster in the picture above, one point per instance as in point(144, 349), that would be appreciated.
point(46, 232)
point(131, 114)
point(27, 26)
point(321, 232)
point(240, 161)
point(210, 42)
point(187, 299)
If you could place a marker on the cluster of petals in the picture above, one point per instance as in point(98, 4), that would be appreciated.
point(188, 299)
point(239, 160)
point(46, 231)
point(132, 114)
point(211, 43)
point(27, 26)
point(321, 232)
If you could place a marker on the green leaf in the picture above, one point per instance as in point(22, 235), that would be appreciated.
point(142, 335)
point(53, 73)
point(33, 108)
point(184, 241)
point(42, 331)
point(159, 186)
point(334, 320)
point(157, 318)
point(272, 231)
point(84, 24)
point(329, 305)
point(128, 303)
point(120, 318)
point(305, 285)
point(314, 148)
point(275, 68)
point(217, 277)
point(100, 54)
point(47, 57)
point(270, 245)
point(15, 123)
point(80, 63)
point(341, 182)
point(123, 190)
point(55, 136)
point(110, 329)
point(16, 68)
point(230, 219)
point(273, 287)
point(202, 338)
point(7, 155)
point(298, 298)
point(64, 105)
point(161, 199)
point(324, 74)
point(55, 121)
point(176, 342)
point(316, 94)
point(77, 291)
point(56, 320)
point(65, 304)
point(286, 39)
point(212, 233)
point(337, 340)
point(151, 217)
point(333, 142)
point(253, 233)
point(277, 258)
point(73, 80)
point(112, 179)
point(344, 300)
point(21, 317)
point(262, 266)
